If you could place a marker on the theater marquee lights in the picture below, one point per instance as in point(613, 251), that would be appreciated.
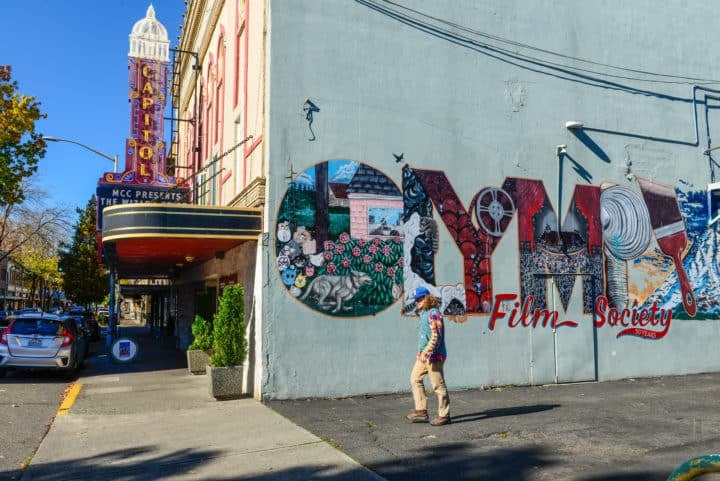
point(143, 178)
point(148, 226)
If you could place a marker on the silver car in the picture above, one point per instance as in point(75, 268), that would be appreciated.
point(42, 341)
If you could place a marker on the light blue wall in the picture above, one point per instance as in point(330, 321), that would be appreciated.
point(446, 91)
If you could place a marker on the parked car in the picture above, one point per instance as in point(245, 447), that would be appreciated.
point(28, 310)
point(4, 318)
point(81, 324)
point(89, 321)
point(47, 341)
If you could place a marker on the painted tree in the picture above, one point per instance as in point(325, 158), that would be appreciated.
point(322, 213)
point(85, 280)
point(21, 146)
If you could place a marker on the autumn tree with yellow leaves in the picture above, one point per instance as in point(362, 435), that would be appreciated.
point(21, 146)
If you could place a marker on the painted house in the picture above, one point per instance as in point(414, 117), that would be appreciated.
point(543, 168)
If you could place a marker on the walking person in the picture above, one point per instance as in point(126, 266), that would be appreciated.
point(429, 360)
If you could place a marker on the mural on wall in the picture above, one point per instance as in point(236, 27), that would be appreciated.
point(339, 240)
point(701, 262)
point(349, 243)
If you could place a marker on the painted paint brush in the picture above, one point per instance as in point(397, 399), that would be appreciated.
point(669, 228)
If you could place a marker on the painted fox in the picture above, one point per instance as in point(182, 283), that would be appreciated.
point(336, 291)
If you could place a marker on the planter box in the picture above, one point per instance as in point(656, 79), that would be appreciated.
point(225, 382)
point(197, 359)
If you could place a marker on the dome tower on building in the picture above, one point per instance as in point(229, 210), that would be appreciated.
point(149, 38)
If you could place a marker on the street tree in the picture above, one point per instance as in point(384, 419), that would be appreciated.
point(85, 280)
point(21, 146)
point(29, 235)
point(30, 223)
point(39, 263)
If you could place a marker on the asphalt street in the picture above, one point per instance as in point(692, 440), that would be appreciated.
point(637, 429)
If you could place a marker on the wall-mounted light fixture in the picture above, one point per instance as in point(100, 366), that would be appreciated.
point(573, 125)
point(189, 259)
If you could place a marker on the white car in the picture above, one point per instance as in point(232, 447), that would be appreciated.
point(42, 341)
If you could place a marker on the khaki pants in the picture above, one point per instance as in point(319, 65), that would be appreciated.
point(434, 371)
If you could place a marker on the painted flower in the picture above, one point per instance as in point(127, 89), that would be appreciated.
point(300, 281)
point(401, 262)
point(373, 249)
point(377, 241)
point(386, 250)
point(391, 272)
point(367, 259)
point(379, 267)
point(361, 242)
point(331, 267)
point(355, 252)
point(344, 238)
point(328, 245)
point(327, 255)
point(339, 248)
point(345, 262)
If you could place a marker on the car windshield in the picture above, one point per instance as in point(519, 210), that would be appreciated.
point(42, 327)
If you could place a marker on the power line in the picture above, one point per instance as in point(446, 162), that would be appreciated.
point(398, 10)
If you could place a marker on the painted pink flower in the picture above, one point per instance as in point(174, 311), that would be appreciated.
point(390, 272)
point(361, 242)
point(331, 268)
point(339, 248)
point(344, 238)
point(345, 262)
point(367, 259)
point(401, 262)
point(386, 250)
point(327, 255)
point(329, 245)
point(356, 252)
point(373, 249)
point(376, 241)
point(379, 267)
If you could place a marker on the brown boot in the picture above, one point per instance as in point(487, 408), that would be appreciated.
point(440, 421)
point(418, 416)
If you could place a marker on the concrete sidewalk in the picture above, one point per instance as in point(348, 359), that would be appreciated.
point(152, 420)
point(629, 430)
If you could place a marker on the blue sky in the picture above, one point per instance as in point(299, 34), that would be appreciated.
point(340, 171)
point(72, 56)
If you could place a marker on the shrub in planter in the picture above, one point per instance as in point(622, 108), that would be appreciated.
point(202, 330)
point(229, 346)
point(198, 352)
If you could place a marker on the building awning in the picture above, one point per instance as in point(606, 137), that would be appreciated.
point(156, 240)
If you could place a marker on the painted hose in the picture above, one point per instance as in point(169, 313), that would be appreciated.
point(626, 234)
point(694, 467)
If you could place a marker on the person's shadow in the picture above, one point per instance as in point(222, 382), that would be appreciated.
point(496, 413)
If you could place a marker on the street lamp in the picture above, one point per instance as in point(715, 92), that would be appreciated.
point(114, 159)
